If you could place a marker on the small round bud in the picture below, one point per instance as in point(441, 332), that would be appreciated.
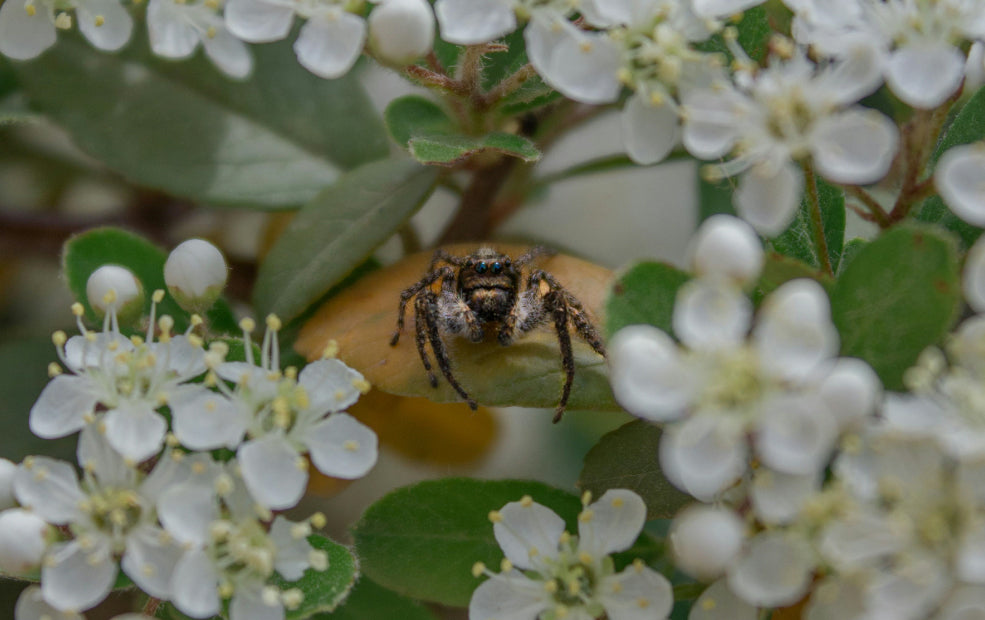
point(705, 539)
point(728, 248)
point(7, 471)
point(23, 539)
point(112, 288)
point(401, 31)
point(195, 273)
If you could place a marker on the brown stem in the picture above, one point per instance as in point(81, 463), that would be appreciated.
point(151, 607)
point(508, 86)
point(473, 221)
point(876, 213)
point(436, 80)
point(817, 222)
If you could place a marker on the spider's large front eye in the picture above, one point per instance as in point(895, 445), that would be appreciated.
point(481, 267)
point(497, 267)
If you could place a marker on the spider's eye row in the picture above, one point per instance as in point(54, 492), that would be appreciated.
point(481, 267)
point(497, 267)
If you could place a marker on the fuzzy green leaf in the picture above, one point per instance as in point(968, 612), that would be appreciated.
point(779, 269)
point(644, 294)
point(448, 150)
point(626, 458)
point(714, 198)
point(323, 590)
point(269, 142)
point(899, 295)
point(422, 540)
point(370, 601)
point(337, 231)
point(412, 115)
point(94, 248)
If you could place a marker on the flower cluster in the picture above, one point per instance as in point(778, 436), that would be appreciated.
point(184, 522)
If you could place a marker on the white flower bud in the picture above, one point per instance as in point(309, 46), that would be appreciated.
point(112, 288)
point(23, 539)
point(401, 31)
point(727, 247)
point(705, 539)
point(195, 273)
point(7, 471)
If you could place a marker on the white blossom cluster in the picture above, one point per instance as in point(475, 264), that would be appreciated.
point(551, 574)
point(154, 499)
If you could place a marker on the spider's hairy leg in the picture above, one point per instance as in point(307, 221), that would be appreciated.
point(420, 329)
point(407, 294)
point(526, 314)
point(576, 312)
point(556, 304)
point(441, 256)
point(456, 316)
point(533, 253)
point(430, 306)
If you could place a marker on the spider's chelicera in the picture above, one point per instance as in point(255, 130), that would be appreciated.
point(486, 289)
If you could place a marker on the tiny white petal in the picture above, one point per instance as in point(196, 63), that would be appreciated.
point(402, 31)
point(960, 178)
point(851, 390)
point(768, 199)
point(62, 407)
point(650, 132)
point(208, 420)
point(705, 539)
point(774, 571)
point(973, 276)
point(187, 510)
point(330, 385)
point(616, 521)
point(794, 333)
point(342, 447)
point(76, 578)
point(32, 606)
point(150, 559)
point(249, 604)
point(467, 22)
point(702, 456)
point(636, 594)
point(718, 602)
point(330, 43)
point(711, 314)
point(195, 585)
point(778, 497)
point(648, 376)
point(292, 553)
point(171, 36)
point(710, 123)
point(796, 434)
point(836, 599)
point(135, 432)
point(228, 53)
point(112, 280)
point(509, 596)
point(196, 271)
point(271, 472)
point(857, 539)
point(257, 21)
point(527, 533)
point(22, 541)
point(50, 488)
point(584, 67)
point(925, 73)
point(105, 23)
point(854, 147)
point(22, 35)
point(722, 8)
point(726, 247)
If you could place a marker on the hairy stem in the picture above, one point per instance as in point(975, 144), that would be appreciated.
point(875, 211)
point(817, 222)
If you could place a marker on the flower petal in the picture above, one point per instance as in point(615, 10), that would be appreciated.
point(62, 407)
point(293, 552)
point(25, 35)
point(612, 523)
point(773, 572)
point(960, 179)
point(528, 532)
point(925, 73)
point(508, 596)
point(76, 576)
point(187, 511)
point(854, 147)
point(636, 593)
point(32, 606)
point(973, 276)
point(250, 604)
point(342, 447)
point(206, 420)
point(705, 539)
point(718, 602)
point(649, 131)
point(467, 22)
point(273, 471)
point(711, 315)
point(149, 560)
point(702, 456)
point(171, 36)
point(231, 55)
point(136, 432)
point(584, 67)
point(330, 385)
point(195, 585)
point(105, 23)
point(796, 434)
point(330, 43)
point(778, 497)
point(794, 334)
point(768, 199)
point(649, 378)
point(257, 21)
point(711, 121)
point(50, 488)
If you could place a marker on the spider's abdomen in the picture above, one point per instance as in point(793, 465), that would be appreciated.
point(490, 303)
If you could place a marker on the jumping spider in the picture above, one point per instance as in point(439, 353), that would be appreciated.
point(486, 288)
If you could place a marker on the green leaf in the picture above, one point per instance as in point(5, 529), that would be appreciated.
point(626, 458)
point(798, 240)
point(899, 295)
point(270, 142)
point(323, 590)
point(714, 198)
point(644, 294)
point(334, 233)
point(779, 269)
point(86, 252)
point(370, 601)
point(432, 137)
point(852, 248)
point(422, 540)
point(968, 126)
point(448, 150)
point(754, 31)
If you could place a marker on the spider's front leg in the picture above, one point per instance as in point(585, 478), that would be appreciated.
point(407, 294)
point(429, 317)
point(575, 311)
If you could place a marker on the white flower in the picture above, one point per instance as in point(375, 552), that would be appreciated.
point(722, 8)
point(110, 514)
point(328, 44)
point(177, 28)
point(401, 31)
point(32, 606)
point(718, 602)
point(567, 574)
point(127, 379)
point(780, 115)
point(959, 180)
point(773, 571)
point(728, 248)
point(23, 540)
point(228, 553)
point(727, 393)
point(917, 46)
point(705, 539)
point(27, 27)
point(114, 289)
point(195, 273)
point(284, 415)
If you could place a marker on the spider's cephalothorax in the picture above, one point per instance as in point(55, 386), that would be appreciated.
point(486, 289)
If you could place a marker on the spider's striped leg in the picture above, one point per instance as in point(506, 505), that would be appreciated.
point(420, 331)
point(430, 306)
